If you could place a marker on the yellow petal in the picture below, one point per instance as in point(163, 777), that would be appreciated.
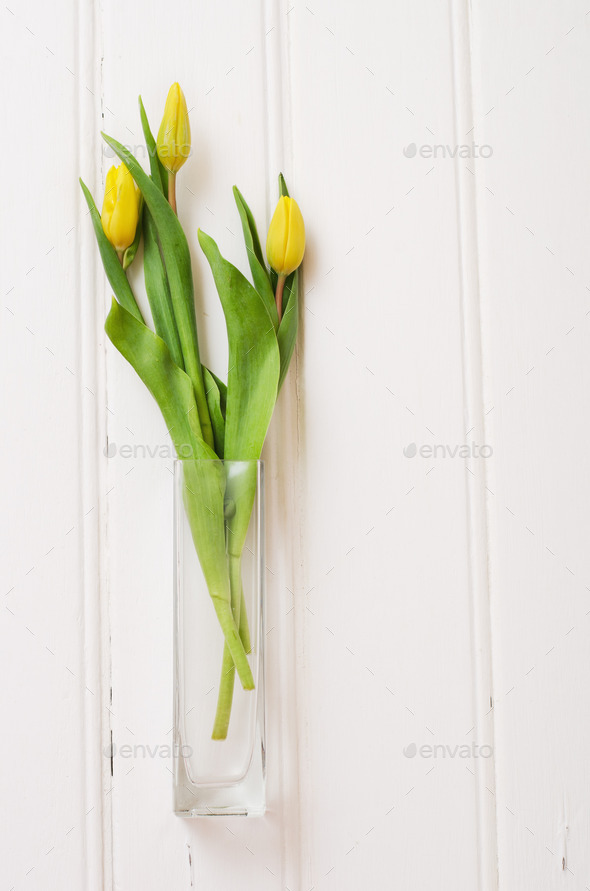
point(296, 241)
point(174, 135)
point(285, 243)
point(110, 197)
point(120, 211)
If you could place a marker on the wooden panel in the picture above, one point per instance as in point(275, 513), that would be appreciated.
point(533, 196)
point(388, 660)
point(50, 623)
point(427, 605)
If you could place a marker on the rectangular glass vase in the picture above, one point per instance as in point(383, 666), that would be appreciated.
point(217, 777)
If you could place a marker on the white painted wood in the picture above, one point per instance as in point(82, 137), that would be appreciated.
point(388, 652)
point(533, 197)
point(445, 304)
point(482, 731)
point(52, 797)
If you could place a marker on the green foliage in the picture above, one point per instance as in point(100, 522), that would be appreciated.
point(207, 419)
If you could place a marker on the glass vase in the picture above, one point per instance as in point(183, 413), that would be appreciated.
point(219, 559)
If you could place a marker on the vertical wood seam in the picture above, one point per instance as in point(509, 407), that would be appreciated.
point(286, 425)
point(90, 435)
point(474, 400)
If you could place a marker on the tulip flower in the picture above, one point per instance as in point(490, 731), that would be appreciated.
point(285, 243)
point(120, 209)
point(174, 137)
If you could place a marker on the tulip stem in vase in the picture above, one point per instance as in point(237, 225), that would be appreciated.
point(227, 679)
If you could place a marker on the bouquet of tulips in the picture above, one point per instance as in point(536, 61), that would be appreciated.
point(208, 419)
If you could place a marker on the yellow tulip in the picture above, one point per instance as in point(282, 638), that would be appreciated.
point(174, 135)
point(285, 243)
point(120, 209)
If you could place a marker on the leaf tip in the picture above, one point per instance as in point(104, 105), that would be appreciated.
point(283, 190)
point(239, 199)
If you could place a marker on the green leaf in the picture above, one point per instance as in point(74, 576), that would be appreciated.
point(254, 364)
point(168, 384)
point(112, 266)
point(222, 391)
point(158, 290)
point(177, 261)
point(260, 273)
point(156, 280)
point(158, 171)
point(287, 333)
point(204, 478)
point(253, 373)
point(213, 394)
point(283, 190)
point(252, 380)
point(254, 360)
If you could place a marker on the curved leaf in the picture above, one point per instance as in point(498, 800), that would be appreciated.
point(204, 479)
point(254, 360)
point(252, 382)
point(177, 261)
point(156, 280)
point(158, 290)
point(168, 384)
point(217, 418)
point(112, 266)
point(222, 391)
point(158, 172)
point(287, 333)
point(260, 274)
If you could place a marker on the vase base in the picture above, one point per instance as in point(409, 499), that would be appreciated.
point(244, 796)
point(222, 812)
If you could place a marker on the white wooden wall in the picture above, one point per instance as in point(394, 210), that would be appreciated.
point(428, 637)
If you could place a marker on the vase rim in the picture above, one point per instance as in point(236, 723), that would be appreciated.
point(258, 461)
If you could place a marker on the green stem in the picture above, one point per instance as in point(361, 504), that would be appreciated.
point(226, 681)
point(172, 191)
point(235, 646)
point(279, 295)
point(203, 499)
point(225, 698)
point(243, 625)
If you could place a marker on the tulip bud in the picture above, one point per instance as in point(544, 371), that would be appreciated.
point(285, 243)
point(120, 209)
point(174, 135)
